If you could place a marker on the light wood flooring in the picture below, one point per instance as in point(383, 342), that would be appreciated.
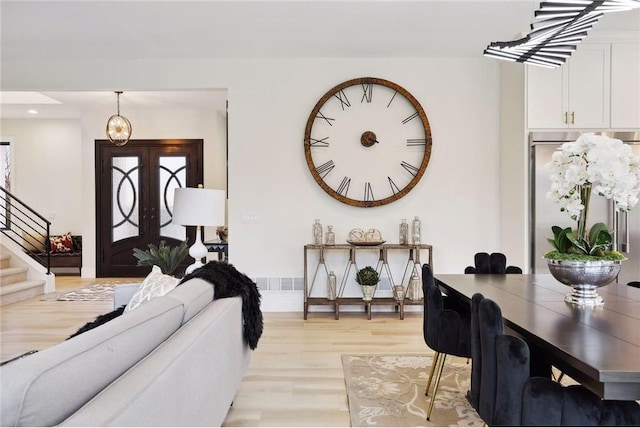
point(295, 376)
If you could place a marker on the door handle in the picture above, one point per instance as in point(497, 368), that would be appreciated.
point(620, 230)
point(624, 245)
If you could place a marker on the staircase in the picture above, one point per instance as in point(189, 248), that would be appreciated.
point(14, 285)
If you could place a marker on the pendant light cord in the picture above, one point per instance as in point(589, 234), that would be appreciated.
point(118, 101)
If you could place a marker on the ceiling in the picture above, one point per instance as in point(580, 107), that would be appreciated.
point(70, 105)
point(97, 30)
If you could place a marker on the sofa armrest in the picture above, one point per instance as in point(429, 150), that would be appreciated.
point(123, 293)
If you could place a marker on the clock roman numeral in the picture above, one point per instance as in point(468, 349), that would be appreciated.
point(410, 168)
point(343, 189)
point(394, 187)
point(368, 192)
point(326, 119)
point(410, 118)
point(392, 98)
point(319, 143)
point(413, 142)
point(324, 169)
point(342, 97)
point(367, 92)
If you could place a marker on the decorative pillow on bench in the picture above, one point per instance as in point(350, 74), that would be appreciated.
point(61, 243)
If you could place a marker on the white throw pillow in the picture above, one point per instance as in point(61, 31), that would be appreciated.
point(154, 285)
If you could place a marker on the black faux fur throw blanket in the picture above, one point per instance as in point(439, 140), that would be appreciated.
point(227, 282)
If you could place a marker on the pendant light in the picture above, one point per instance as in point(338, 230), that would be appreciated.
point(118, 127)
point(558, 27)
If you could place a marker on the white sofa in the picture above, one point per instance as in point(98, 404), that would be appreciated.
point(176, 360)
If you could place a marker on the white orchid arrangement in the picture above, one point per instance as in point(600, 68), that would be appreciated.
point(592, 163)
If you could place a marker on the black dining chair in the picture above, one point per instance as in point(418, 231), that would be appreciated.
point(495, 263)
point(446, 330)
point(476, 356)
point(509, 396)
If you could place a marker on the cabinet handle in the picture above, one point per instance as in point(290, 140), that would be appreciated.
point(566, 117)
point(573, 117)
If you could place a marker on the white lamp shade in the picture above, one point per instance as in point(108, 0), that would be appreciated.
point(198, 207)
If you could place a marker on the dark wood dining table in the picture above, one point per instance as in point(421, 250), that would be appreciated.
point(598, 347)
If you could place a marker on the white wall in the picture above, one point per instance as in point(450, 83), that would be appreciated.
point(47, 169)
point(458, 199)
point(514, 166)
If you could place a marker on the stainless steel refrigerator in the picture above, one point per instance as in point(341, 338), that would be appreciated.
point(545, 213)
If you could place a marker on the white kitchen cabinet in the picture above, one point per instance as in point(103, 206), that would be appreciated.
point(576, 95)
point(625, 85)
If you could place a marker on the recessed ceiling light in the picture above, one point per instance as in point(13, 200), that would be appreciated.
point(32, 111)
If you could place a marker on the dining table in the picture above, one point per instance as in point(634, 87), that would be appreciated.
point(598, 347)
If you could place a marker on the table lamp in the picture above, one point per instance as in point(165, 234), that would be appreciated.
point(198, 207)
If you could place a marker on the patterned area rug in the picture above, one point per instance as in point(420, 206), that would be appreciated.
point(388, 390)
point(95, 292)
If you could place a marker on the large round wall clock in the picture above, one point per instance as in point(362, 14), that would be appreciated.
point(367, 142)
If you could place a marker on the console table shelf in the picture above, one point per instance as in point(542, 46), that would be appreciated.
point(412, 264)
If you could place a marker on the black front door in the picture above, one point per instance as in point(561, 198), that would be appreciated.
point(134, 199)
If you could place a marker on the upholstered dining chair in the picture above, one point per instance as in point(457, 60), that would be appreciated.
point(446, 331)
point(476, 356)
point(495, 263)
point(509, 396)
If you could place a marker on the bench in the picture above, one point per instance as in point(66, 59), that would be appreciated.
point(66, 260)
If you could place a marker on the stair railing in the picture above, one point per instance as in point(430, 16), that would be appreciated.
point(26, 227)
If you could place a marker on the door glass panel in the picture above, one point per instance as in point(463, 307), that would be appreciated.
point(125, 197)
point(173, 174)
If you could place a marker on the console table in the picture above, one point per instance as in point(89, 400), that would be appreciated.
point(412, 264)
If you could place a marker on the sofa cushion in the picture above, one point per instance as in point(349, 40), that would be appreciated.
point(46, 388)
point(154, 285)
point(61, 243)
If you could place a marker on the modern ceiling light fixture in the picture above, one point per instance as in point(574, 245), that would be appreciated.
point(560, 25)
point(118, 127)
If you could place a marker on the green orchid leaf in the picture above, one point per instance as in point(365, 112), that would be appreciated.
point(598, 233)
point(578, 243)
point(561, 242)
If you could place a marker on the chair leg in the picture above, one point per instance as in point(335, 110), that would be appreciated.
point(436, 358)
point(435, 387)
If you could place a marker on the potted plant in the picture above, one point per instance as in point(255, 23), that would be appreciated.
point(583, 257)
point(368, 278)
point(167, 258)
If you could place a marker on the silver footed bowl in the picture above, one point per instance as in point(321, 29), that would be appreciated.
point(584, 278)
